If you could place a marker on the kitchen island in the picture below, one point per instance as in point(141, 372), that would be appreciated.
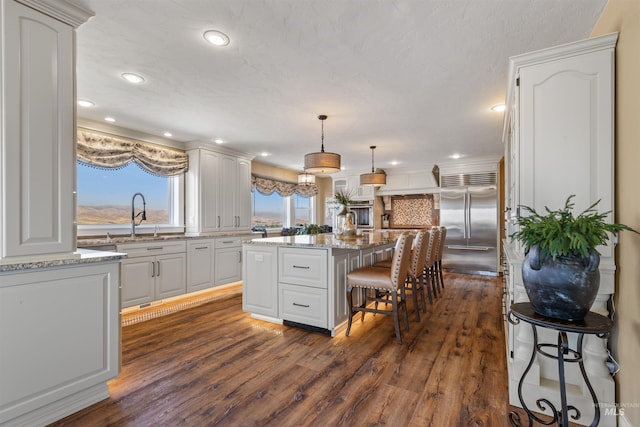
point(302, 280)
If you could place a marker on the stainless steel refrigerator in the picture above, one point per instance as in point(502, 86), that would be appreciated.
point(470, 213)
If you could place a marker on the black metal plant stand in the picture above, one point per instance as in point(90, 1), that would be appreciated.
point(593, 324)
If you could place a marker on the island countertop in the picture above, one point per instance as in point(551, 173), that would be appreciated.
point(329, 241)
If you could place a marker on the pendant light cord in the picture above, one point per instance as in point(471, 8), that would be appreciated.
point(373, 147)
point(322, 136)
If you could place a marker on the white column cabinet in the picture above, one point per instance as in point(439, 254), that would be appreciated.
point(218, 190)
point(559, 141)
point(37, 119)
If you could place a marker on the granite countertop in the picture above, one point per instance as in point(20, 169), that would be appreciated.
point(329, 241)
point(81, 256)
point(146, 238)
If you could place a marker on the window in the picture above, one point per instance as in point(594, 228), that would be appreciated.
point(276, 211)
point(303, 209)
point(104, 199)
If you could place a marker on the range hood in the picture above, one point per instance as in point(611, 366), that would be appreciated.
point(409, 182)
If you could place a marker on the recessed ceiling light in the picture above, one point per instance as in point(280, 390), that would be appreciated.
point(394, 163)
point(85, 103)
point(132, 78)
point(498, 108)
point(264, 154)
point(109, 119)
point(218, 141)
point(168, 134)
point(216, 38)
point(455, 156)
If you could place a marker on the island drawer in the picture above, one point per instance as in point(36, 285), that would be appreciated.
point(303, 304)
point(306, 267)
point(153, 248)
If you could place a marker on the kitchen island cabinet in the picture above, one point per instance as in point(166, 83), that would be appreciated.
point(302, 280)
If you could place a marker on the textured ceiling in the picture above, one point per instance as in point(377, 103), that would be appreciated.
point(416, 78)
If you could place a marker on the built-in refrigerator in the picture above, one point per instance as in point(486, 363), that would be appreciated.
point(469, 211)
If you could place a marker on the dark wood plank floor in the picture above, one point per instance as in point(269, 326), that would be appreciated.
point(214, 365)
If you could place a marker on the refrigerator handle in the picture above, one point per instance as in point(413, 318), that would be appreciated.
point(467, 218)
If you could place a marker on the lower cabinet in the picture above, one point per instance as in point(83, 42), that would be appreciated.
point(260, 279)
point(228, 260)
point(303, 304)
point(152, 271)
point(200, 266)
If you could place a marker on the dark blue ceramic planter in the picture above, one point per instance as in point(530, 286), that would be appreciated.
point(564, 288)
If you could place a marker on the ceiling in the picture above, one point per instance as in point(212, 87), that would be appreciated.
point(416, 78)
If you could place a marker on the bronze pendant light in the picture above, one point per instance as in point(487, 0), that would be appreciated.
point(375, 177)
point(322, 162)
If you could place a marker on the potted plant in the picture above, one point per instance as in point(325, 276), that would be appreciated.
point(345, 220)
point(560, 270)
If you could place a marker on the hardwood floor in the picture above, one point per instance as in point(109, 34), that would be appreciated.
point(214, 365)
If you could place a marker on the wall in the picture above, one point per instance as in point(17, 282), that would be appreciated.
point(324, 184)
point(623, 16)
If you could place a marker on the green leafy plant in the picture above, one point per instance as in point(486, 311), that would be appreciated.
point(344, 197)
point(310, 229)
point(560, 233)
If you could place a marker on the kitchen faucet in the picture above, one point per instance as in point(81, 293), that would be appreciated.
point(134, 216)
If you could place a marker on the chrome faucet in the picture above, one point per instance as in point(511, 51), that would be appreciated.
point(134, 216)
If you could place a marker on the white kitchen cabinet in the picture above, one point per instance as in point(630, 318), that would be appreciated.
point(351, 183)
point(260, 280)
point(60, 335)
point(218, 190)
point(228, 260)
point(200, 264)
point(559, 141)
point(152, 271)
point(37, 161)
point(409, 182)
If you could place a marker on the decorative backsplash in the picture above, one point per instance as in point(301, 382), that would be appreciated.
point(412, 211)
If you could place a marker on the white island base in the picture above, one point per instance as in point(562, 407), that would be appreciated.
point(302, 280)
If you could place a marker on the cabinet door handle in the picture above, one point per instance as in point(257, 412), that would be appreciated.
point(302, 266)
point(158, 275)
point(218, 221)
point(153, 269)
point(227, 241)
point(154, 248)
point(202, 247)
point(301, 305)
point(240, 256)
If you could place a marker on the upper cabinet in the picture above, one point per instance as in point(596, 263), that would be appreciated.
point(37, 149)
point(218, 190)
point(558, 130)
point(351, 184)
point(408, 182)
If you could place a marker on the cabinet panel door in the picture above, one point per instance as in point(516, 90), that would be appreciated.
point(339, 310)
point(243, 203)
point(209, 170)
point(567, 125)
point(303, 267)
point(137, 281)
point(170, 275)
point(37, 144)
point(228, 188)
point(199, 265)
point(228, 265)
point(260, 280)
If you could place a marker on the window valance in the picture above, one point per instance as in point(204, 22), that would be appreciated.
point(268, 186)
point(113, 152)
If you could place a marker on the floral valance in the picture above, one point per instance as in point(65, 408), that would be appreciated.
point(113, 152)
point(268, 186)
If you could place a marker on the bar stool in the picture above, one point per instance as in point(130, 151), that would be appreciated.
point(416, 274)
point(389, 285)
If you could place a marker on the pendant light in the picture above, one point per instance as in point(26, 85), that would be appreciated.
point(375, 177)
point(306, 179)
point(322, 162)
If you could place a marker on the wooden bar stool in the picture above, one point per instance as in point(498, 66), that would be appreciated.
point(389, 285)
